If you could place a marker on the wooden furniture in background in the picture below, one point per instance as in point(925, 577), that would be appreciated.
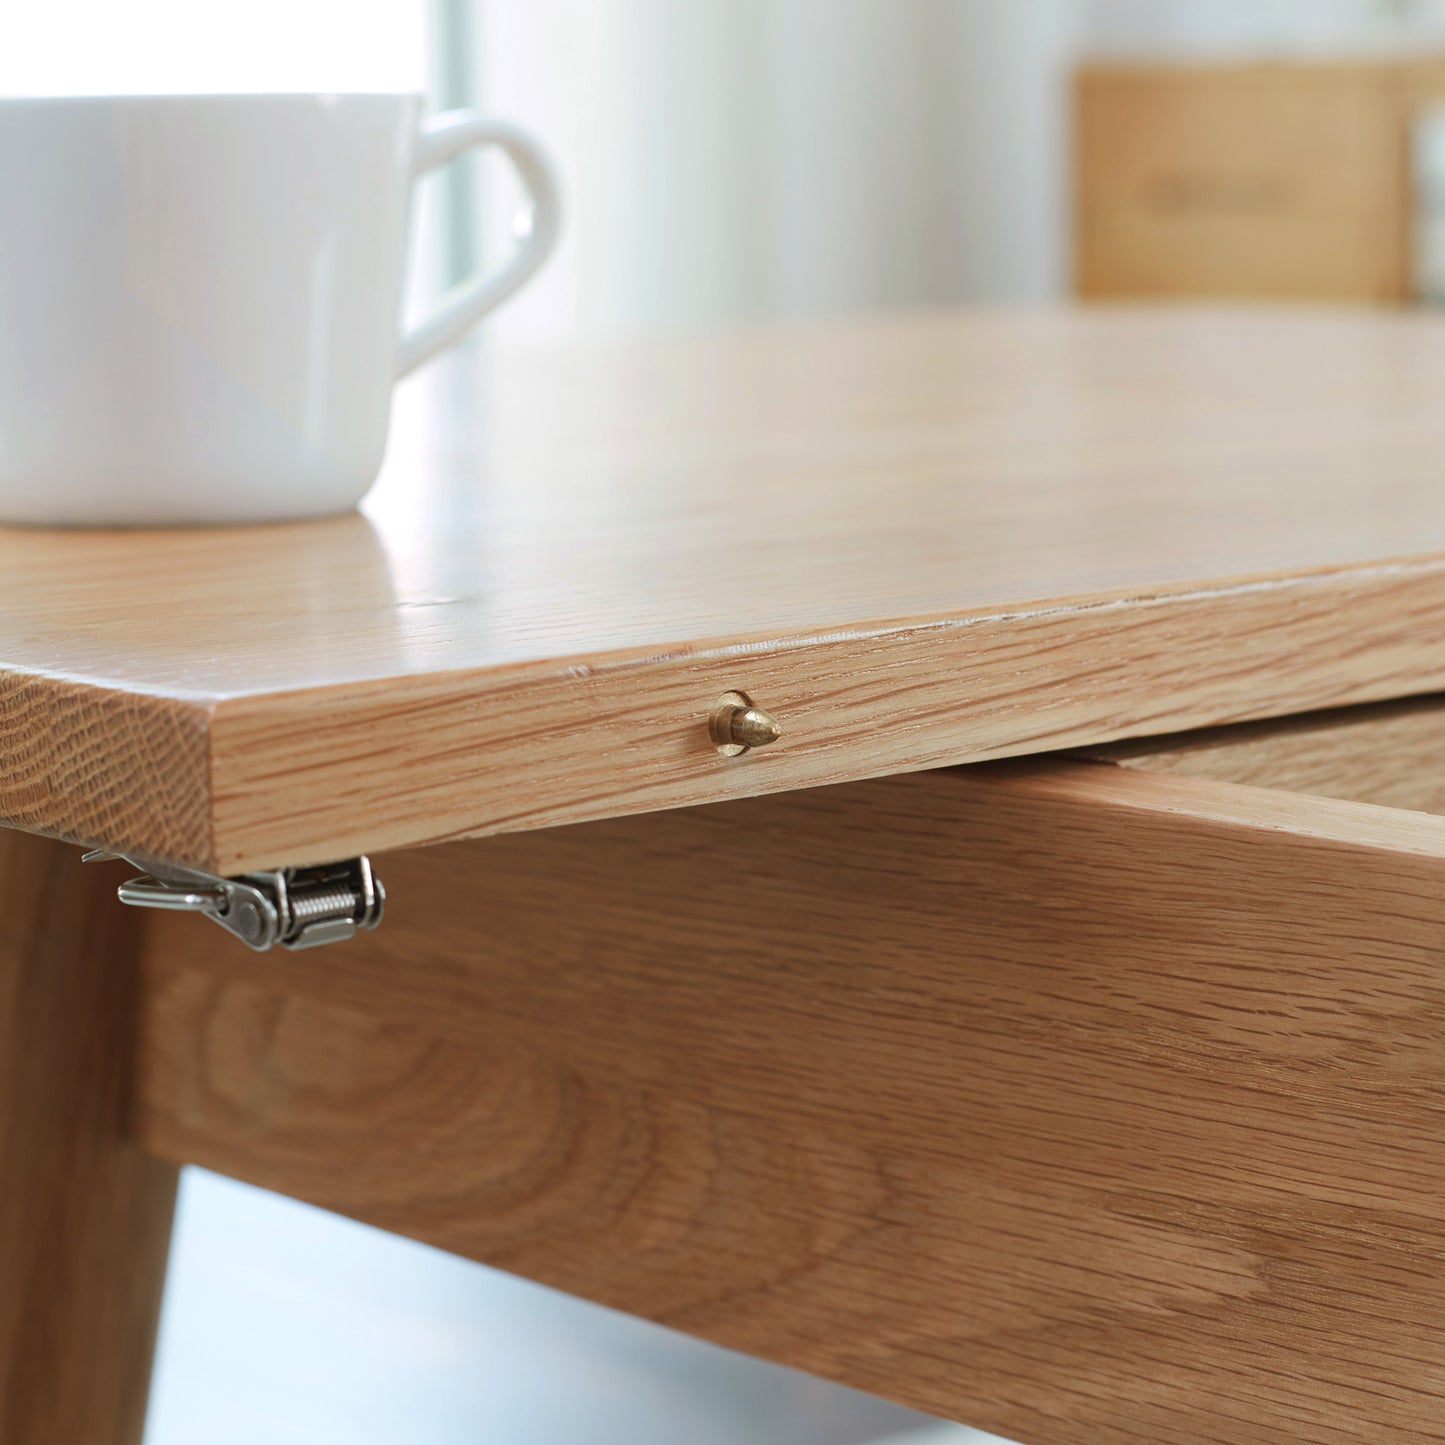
point(1068, 1097)
point(1282, 179)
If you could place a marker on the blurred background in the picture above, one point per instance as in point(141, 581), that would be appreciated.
point(730, 161)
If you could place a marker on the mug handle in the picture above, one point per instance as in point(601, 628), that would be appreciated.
point(443, 138)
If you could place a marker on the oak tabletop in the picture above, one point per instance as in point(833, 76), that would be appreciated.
point(915, 539)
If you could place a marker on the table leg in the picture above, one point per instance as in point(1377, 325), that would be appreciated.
point(84, 1216)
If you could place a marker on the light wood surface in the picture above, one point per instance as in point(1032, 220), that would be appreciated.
point(916, 540)
point(1278, 180)
point(1391, 754)
point(1075, 1102)
point(84, 1216)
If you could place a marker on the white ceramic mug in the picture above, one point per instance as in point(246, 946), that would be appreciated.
point(199, 298)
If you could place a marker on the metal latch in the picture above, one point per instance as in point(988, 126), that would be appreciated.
point(295, 907)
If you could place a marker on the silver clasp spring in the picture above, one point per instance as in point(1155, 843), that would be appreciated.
point(295, 907)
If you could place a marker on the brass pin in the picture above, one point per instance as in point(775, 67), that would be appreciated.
point(736, 725)
point(754, 728)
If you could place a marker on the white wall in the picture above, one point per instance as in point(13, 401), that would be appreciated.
point(735, 158)
point(1256, 26)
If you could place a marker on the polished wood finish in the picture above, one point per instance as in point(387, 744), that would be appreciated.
point(84, 1215)
point(1226, 179)
point(1391, 754)
point(915, 540)
point(1076, 1102)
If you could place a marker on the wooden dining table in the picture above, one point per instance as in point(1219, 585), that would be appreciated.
point(910, 848)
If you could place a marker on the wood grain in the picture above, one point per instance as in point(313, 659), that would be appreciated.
point(1391, 754)
point(1074, 1102)
point(84, 1216)
point(916, 539)
point(1281, 180)
point(101, 764)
